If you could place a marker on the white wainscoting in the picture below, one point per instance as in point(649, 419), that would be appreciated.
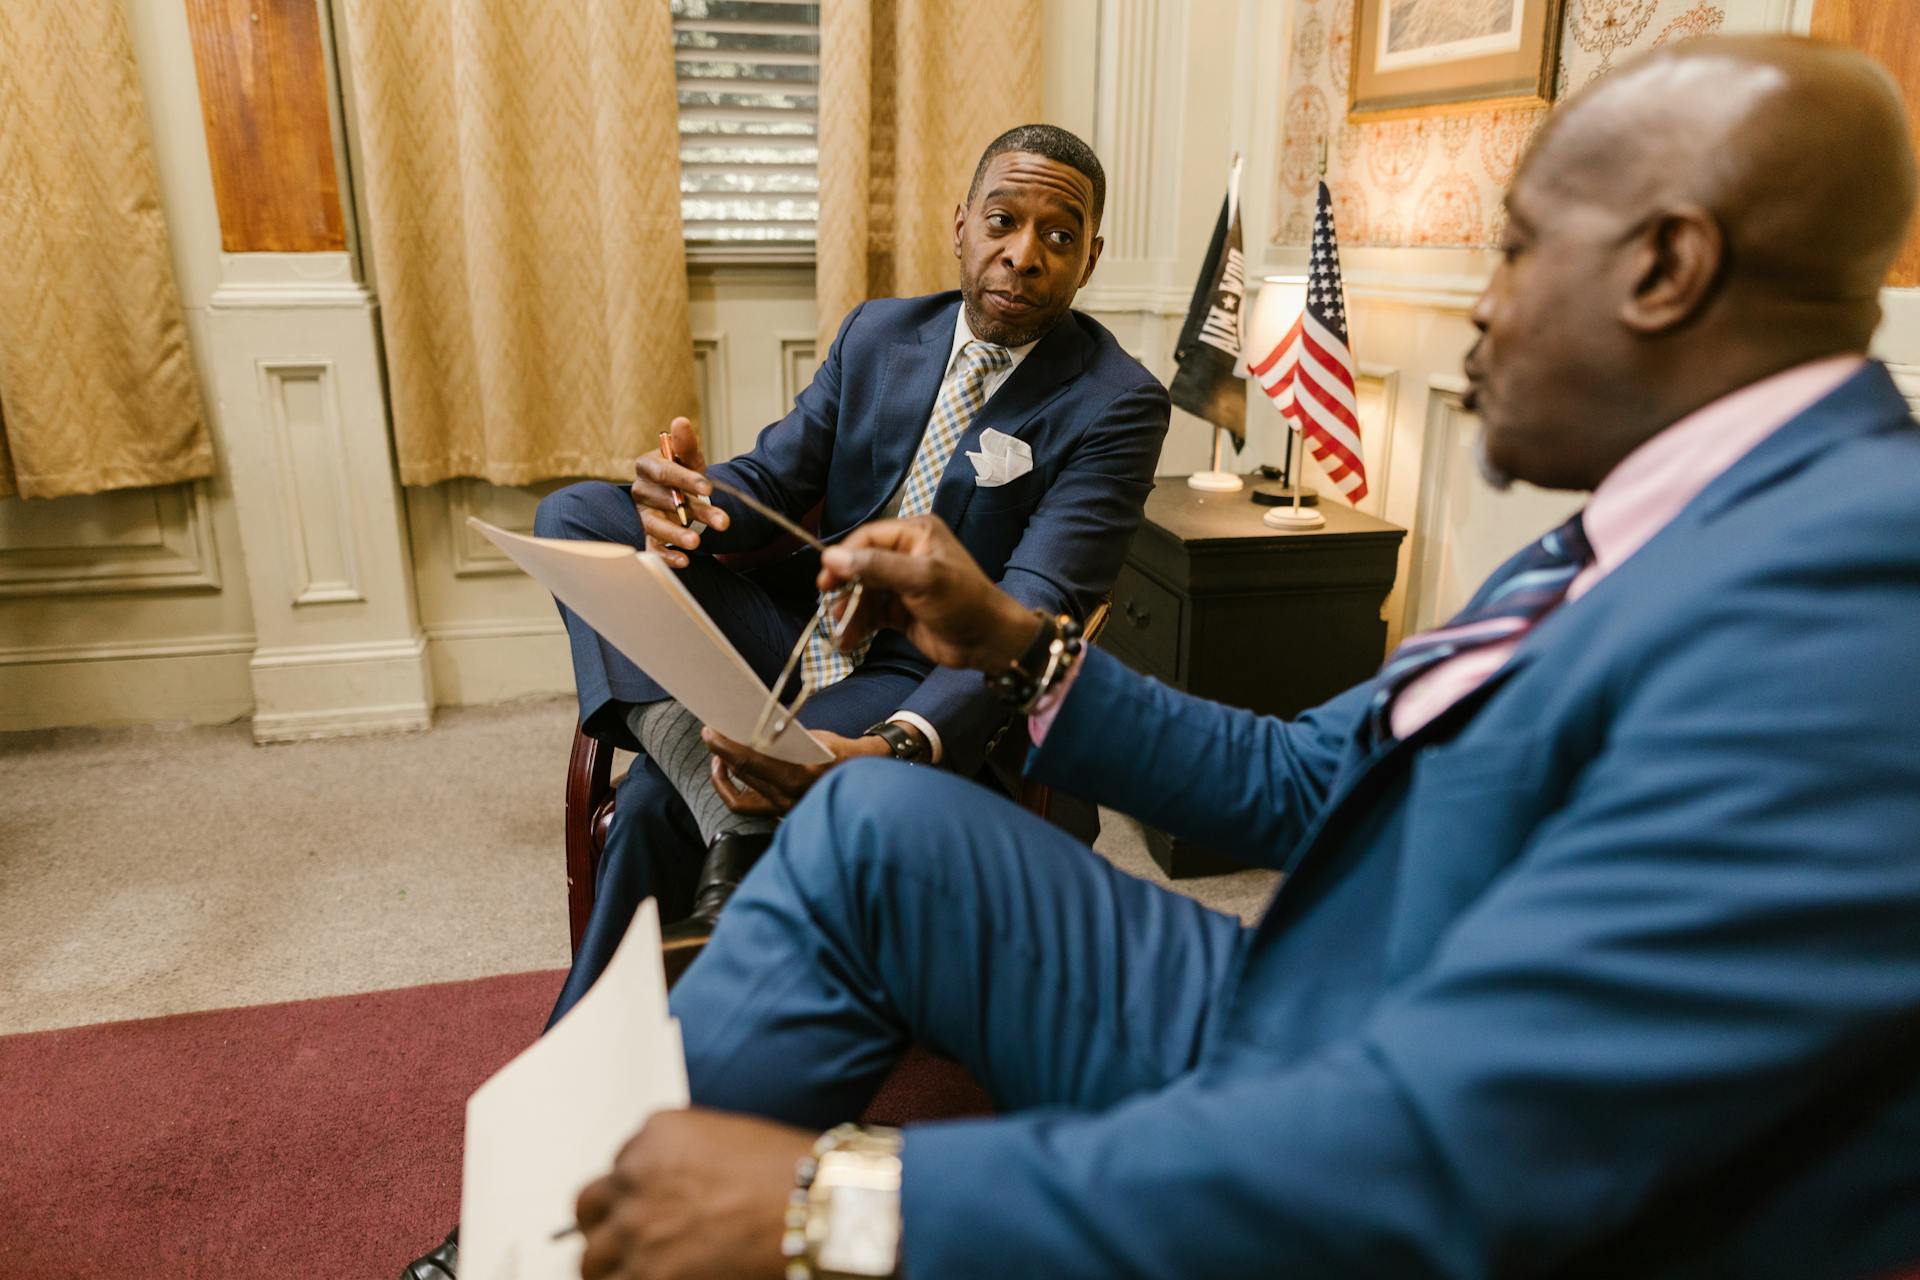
point(113, 610)
point(302, 410)
point(130, 540)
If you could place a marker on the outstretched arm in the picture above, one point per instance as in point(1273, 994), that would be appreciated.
point(1244, 784)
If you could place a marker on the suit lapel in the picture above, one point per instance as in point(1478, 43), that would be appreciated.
point(1049, 369)
point(914, 370)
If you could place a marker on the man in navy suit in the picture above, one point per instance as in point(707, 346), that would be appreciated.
point(1598, 947)
point(1066, 428)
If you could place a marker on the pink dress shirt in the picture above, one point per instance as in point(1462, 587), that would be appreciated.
point(1638, 499)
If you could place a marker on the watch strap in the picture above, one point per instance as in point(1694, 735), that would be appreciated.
point(901, 741)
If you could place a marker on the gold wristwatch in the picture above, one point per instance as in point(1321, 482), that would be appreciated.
point(843, 1221)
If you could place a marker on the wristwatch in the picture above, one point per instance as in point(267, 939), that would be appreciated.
point(901, 741)
point(844, 1218)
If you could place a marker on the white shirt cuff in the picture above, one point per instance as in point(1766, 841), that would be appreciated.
point(927, 731)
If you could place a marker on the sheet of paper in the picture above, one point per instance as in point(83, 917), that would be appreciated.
point(552, 1120)
point(641, 607)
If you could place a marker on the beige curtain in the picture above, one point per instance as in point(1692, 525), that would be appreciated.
point(911, 91)
point(97, 387)
point(522, 172)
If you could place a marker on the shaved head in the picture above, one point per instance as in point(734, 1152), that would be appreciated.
point(1711, 214)
point(1798, 149)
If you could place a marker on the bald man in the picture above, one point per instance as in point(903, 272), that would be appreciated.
point(1598, 951)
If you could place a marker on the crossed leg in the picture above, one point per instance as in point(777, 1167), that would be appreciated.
point(900, 905)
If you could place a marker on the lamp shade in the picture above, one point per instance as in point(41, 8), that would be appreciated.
point(1276, 306)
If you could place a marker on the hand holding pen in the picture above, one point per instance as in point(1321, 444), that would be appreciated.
point(670, 489)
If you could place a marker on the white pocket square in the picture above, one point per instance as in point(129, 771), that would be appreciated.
point(1001, 459)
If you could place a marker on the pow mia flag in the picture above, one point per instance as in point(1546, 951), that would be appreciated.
point(1210, 342)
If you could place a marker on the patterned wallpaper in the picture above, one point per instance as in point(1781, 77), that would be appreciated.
point(1436, 181)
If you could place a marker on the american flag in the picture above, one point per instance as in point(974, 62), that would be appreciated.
point(1309, 375)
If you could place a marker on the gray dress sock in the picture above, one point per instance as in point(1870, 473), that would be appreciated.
point(670, 735)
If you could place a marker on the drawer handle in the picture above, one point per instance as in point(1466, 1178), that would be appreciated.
point(1135, 614)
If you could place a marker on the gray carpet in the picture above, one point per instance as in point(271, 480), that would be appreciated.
point(153, 871)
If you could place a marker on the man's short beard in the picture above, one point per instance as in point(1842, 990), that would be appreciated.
point(1497, 477)
point(1002, 335)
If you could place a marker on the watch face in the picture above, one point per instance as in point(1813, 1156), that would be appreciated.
point(863, 1231)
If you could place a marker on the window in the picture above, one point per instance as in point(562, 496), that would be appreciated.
point(748, 74)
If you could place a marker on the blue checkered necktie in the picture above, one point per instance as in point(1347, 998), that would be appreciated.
point(1535, 584)
point(960, 399)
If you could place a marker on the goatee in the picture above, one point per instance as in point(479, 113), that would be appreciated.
point(1490, 471)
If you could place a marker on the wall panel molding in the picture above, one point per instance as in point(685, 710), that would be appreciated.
point(1446, 293)
point(712, 385)
point(510, 509)
point(1127, 115)
point(158, 539)
point(1447, 418)
point(1378, 392)
point(1907, 378)
point(798, 360)
point(1140, 301)
point(1465, 529)
point(303, 413)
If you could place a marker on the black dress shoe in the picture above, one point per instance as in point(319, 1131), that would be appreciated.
point(729, 858)
point(438, 1264)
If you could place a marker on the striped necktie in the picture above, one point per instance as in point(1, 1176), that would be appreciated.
point(960, 399)
point(1536, 583)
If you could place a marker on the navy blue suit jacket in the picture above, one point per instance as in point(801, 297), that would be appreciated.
point(1054, 538)
point(1612, 970)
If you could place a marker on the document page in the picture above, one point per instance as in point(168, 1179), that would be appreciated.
point(552, 1120)
point(634, 600)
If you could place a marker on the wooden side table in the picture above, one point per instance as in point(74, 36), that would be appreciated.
point(1215, 603)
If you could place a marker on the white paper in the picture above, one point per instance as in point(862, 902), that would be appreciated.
point(640, 606)
point(1002, 458)
point(552, 1120)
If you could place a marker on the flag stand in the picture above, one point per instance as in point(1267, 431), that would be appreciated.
point(1295, 516)
point(1218, 480)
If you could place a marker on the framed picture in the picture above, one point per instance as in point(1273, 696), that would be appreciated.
point(1419, 57)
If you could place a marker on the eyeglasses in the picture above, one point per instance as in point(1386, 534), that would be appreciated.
point(772, 722)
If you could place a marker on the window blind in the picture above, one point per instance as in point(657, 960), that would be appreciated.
point(748, 74)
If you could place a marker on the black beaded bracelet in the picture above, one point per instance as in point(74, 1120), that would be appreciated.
point(1046, 661)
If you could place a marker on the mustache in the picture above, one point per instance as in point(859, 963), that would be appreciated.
point(1018, 295)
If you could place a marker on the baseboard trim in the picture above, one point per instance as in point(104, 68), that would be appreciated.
point(200, 647)
point(477, 663)
point(333, 691)
point(200, 682)
point(346, 722)
point(335, 655)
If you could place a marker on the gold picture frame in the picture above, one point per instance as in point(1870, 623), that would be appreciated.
point(1430, 57)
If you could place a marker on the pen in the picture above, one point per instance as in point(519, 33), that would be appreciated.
point(679, 503)
point(572, 1229)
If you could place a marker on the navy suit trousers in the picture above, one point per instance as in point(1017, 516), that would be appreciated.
point(653, 847)
point(901, 904)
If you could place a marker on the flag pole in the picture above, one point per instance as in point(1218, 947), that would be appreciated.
point(1295, 517)
point(1210, 345)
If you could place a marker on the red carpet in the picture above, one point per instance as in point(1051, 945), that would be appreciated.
point(318, 1139)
